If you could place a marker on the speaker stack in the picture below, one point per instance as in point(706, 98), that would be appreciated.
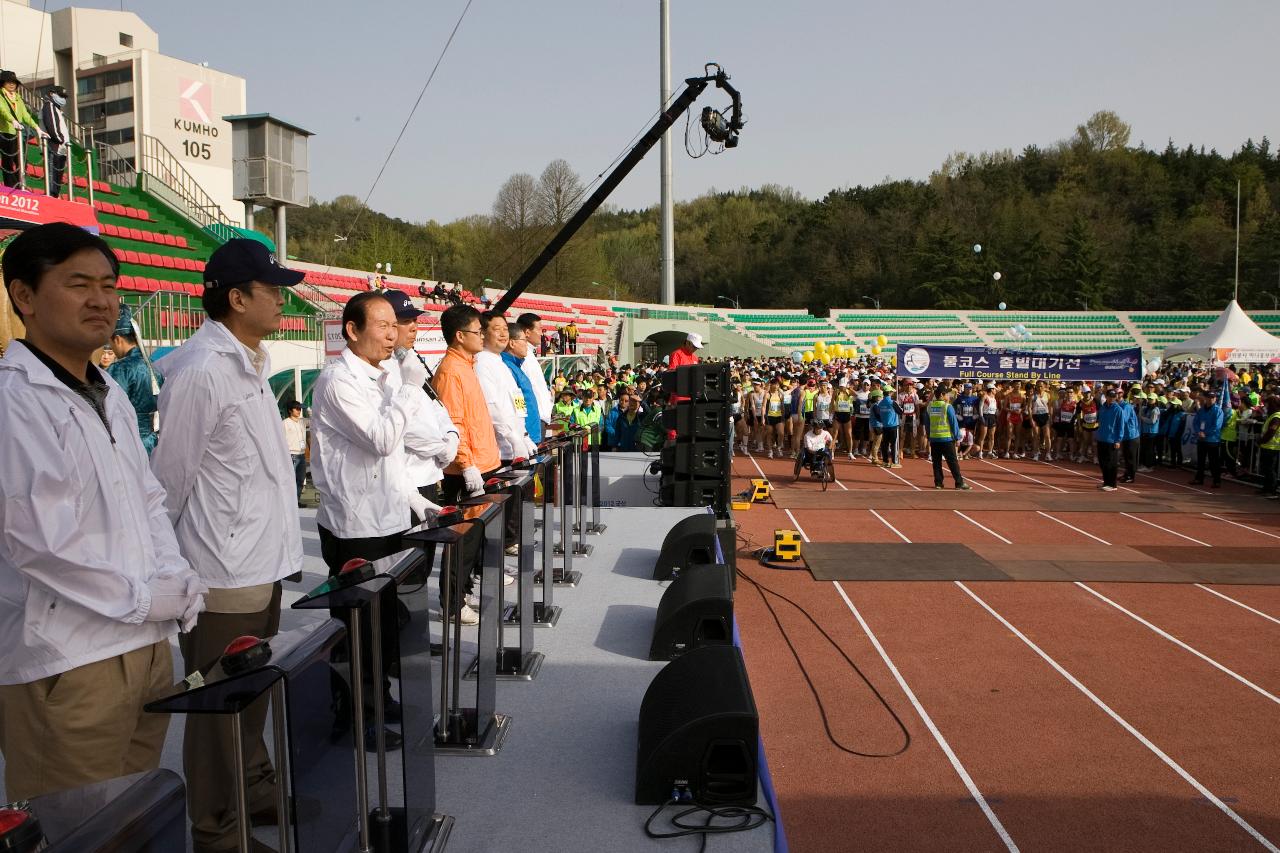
point(696, 610)
point(697, 465)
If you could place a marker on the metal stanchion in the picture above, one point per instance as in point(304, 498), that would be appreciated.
point(281, 749)
point(596, 527)
point(545, 613)
point(244, 830)
point(565, 505)
point(519, 662)
point(581, 548)
point(357, 717)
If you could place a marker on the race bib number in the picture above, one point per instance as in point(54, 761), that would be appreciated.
point(518, 400)
point(1090, 417)
point(909, 408)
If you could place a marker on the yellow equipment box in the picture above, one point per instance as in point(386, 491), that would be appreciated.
point(786, 545)
point(760, 490)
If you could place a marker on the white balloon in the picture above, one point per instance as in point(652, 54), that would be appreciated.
point(1002, 306)
point(997, 276)
point(977, 247)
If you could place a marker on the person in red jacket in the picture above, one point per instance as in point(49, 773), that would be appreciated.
point(686, 353)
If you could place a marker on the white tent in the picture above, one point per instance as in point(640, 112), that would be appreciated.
point(1232, 338)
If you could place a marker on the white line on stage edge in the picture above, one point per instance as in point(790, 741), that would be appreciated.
point(1023, 476)
point(1240, 678)
point(1169, 762)
point(1166, 530)
point(1239, 603)
point(1073, 527)
point(983, 526)
point(1238, 524)
point(890, 526)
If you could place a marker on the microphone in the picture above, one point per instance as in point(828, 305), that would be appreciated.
point(401, 353)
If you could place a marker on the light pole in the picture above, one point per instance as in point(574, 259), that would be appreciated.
point(1275, 303)
point(1084, 303)
point(874, 301)
point(732, 301)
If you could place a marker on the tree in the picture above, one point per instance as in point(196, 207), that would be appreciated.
point(1103, 131)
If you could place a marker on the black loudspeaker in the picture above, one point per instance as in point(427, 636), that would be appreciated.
point(698, 420)
point(696, 458)
point(697, 491)
point(695, 611)
point(692, 541)
point(706, 383)
point(699, 731)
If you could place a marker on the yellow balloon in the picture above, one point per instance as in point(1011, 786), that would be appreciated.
point(875, 350)
point(882, 340)
point(825, 358)
point(819, 347)
point(806, 357)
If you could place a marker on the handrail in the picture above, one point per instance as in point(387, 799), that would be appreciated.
point(158, 162)
point(166, 318)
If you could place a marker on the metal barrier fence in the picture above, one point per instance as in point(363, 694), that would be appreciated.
point(167, 318)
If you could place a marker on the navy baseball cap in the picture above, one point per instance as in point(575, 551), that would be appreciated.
point(402, 304)
point(243, 260)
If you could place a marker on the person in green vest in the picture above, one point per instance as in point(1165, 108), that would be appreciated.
point(562, 412)
point(944, 431)
point(1270, 446)
point(14, 118)
point(589, 415)
point(1230, 437)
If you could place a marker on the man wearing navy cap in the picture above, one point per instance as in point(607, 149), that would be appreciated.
point(131, 372)
point(231, 495)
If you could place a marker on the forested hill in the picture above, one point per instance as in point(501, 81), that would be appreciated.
point(1090, 220)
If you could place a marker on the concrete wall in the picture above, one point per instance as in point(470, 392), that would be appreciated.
point(24, 48)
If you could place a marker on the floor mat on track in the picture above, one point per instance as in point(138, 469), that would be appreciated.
point(897, 561)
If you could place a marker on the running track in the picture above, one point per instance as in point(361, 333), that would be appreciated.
point(1042, 716)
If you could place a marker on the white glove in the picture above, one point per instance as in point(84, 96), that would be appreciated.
point(530, 448)
point(412, 370)
point(423, 508)
point(444, 457)
point(171, 596)
point(474, 481)
point(196, 590)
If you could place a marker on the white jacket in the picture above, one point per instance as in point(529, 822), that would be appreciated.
point(358, 426)
point(533, 370)
point(430, 438)
point(500, 392)
point(223, 461)
point(82, 526)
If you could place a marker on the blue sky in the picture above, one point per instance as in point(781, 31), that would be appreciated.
point(836, 93)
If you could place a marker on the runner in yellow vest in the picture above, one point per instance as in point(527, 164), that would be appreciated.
point(1271, 450)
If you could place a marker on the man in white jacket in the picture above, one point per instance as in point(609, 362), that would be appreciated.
point(506, 406)
point(92, 585)
point(231, 492)
point(532, 325)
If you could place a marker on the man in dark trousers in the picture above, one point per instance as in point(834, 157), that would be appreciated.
point(944, 430)
point(1110, 438)
point(54, 124)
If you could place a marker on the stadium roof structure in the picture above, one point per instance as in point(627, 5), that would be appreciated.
point(1233, 337)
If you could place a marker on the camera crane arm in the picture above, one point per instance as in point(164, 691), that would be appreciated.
point(717, 127)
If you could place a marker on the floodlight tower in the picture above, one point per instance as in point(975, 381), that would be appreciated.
point(269, 168)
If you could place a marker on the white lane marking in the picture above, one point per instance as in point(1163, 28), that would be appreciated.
point(1159, 753)
point(1073, 527)
point(1180, 485)
point(983, 526)
point(969, 479)
point(1088, 476)
point(1166, 530)
point(757, 464)
point(799, 529)
point(1238, 524)
point(1213, 663)
point(933, 728)
point(890, 526)
point(1239, 603)
point(892, 473)
point(1023, 476)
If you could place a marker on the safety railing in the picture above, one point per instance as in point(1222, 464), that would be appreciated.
point(156, 161)
point(167, 318)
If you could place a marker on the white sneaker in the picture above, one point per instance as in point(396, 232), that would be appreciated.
point(471, 600)
point(507, 580)
point(467, 616)
point(1035, 458)
point(1145, 470)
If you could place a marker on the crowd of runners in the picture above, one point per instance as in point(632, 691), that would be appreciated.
point(874, 415)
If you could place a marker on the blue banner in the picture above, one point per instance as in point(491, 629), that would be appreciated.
point(923, 361)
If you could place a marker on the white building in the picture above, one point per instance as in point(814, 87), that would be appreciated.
point(161, 114)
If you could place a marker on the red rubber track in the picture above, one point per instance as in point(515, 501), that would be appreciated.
point(1056, 771)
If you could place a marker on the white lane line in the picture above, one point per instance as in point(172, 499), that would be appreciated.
point(969, 479)
point(1088, 476)
point(799, 529)
point(757, 464)
point(933, 728)
point(890, 526)
point(1166, 530)
point(1180, 485)
point(1238, 524)
point(1073, 527)
point(892, 473)
point(1127, 726)
point(1213, 663)
point(1239, 603)
point(1023, 476)
point(983, 526)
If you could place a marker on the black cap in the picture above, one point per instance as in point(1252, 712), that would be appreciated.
point(402, 304)
point(243, 260)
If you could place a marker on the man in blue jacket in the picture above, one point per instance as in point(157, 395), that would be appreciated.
point(1208, 429)
point(130, 370)
point(1129, 437)
point(944, 432)
point(622, 426)
point(884, 428)
point(1109, 435)
point(513, 358)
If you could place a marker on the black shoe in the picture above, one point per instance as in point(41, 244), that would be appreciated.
point(391, 739)
point(437, 649)
point(392, 712)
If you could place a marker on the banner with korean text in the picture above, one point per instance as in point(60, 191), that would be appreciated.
point(923, 361)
